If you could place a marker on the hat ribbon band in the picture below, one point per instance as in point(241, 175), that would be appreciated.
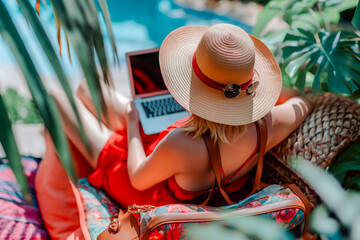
point(212, 83)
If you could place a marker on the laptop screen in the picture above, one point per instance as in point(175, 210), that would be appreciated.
point(145, 74)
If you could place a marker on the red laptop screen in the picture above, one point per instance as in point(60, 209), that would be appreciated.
point(145, 72)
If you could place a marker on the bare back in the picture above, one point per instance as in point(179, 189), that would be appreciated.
point(194, 170)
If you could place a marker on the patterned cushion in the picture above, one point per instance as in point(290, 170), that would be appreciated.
point(99, 207)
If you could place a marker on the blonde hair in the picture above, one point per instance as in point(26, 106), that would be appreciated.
point(225, 133)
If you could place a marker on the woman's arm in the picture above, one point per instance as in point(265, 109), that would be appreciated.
point(286, 117)
point(115, 104)
point(136, 152)
point(146, 171)
point(286, 94)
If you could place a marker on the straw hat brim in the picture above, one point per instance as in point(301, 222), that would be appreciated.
point(176, 53)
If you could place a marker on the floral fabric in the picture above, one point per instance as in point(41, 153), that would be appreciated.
point(289, 218)
point(99, 207)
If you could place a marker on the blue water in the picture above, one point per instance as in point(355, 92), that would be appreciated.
point(137, 24)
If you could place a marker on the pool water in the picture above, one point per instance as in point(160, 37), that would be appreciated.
point(137, 25)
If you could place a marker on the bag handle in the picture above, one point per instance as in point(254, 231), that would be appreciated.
point(215, 160)
point(296, 190)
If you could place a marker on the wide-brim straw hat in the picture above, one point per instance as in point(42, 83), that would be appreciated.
point(226, 54)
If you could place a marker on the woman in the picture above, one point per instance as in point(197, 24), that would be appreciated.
point(227, 80)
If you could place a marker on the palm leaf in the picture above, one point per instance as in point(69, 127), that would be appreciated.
point(9, 144)
point(105, 13)
point(84, 32)
point(49, 51)
point(43, 102)
point(335, 54)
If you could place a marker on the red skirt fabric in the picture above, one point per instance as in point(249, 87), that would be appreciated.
point(112, 175)
point(111, 172)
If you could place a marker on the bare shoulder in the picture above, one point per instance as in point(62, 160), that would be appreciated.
point(183, 147)
point(182, 142)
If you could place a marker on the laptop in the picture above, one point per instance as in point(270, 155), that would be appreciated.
point(157, 108)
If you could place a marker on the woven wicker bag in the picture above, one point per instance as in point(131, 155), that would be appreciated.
point(329, 129)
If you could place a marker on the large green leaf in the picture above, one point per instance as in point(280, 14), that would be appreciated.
point(341, 204)
point(347, 167)
point(356, 19)
point(336, 54)
point(8, 142)
point(340, 5)
point(306, 14)
point(49, 51)
point(273, 9)
point(329, 190)
point(43, 102)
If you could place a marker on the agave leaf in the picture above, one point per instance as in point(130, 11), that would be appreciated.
point(43, 102)
point(53, 59)
point(8, 142)
point(331, 55)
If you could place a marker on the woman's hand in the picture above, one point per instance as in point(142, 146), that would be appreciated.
point(132, 114)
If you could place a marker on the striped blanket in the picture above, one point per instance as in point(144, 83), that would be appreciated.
point(19, 220)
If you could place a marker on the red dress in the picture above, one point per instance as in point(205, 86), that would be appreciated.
point(111, 174)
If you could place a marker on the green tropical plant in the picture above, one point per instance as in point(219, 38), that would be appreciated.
point(347, 168)
point(313, 51)
point(83, 31)
point(339, 216)
point(333, 59)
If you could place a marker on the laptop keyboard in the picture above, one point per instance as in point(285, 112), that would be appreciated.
point(163, 106)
